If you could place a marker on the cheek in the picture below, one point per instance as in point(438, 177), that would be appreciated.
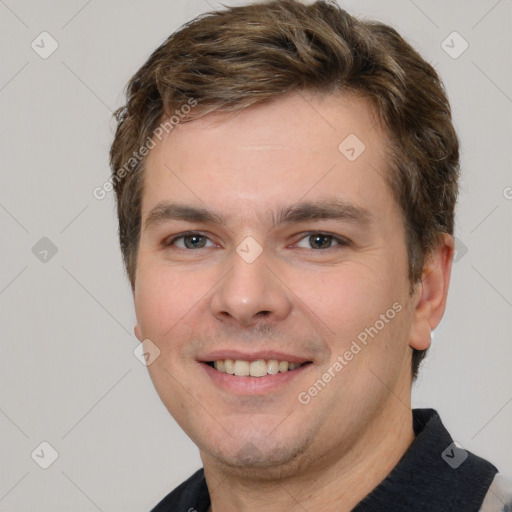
point(348, 304)
point(161, 299)
point(349, 298)
point(164, 306)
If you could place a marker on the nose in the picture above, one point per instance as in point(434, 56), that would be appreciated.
point(250, 293)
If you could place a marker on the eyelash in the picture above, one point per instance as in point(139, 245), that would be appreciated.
point(341, 241)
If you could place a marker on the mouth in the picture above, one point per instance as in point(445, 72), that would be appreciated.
point(258, 373)
point(257, 368)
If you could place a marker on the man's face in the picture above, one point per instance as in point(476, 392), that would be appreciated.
point(265, 279)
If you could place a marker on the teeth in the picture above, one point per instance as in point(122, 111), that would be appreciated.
point(273, 367)
point(258, 368)
point(219, 365)
point(242, 368)
point(283, 366)
point(229, 366)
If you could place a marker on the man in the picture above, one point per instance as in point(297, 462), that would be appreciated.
point(286, 177)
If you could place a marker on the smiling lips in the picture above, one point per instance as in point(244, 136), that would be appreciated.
point(253, 374)
point(258, 368)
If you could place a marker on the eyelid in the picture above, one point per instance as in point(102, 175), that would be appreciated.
point(341, 240)
point(170, 241)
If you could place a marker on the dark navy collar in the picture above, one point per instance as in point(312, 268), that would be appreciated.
point(433, 475)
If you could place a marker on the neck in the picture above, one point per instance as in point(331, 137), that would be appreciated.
point(335, 484)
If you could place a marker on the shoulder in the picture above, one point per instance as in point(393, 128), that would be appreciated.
point(191, 496)
point(499, 495)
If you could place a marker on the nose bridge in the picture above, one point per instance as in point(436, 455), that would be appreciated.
point(250, 289)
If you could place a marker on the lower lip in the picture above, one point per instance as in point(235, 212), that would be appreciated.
point(253, 385)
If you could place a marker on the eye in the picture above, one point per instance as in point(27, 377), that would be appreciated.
point(321, 241)
point(191, 240)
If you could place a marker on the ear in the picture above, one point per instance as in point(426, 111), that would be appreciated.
point(431, 293)
point(137, 332)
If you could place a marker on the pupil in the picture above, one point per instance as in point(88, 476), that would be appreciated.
point(320, 241)
point(194, 241)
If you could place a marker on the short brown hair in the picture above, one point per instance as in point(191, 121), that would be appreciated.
point(232, 59)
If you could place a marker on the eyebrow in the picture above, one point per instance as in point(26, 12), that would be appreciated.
point(337, 209)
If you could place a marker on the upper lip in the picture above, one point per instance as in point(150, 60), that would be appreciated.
point(219, 355)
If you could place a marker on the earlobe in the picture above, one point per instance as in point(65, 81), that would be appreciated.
point(137, 332)
point(431, 294)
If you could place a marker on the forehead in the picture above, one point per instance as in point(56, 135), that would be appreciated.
point(297, 147)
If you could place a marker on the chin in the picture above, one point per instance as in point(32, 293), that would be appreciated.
point(260, 459)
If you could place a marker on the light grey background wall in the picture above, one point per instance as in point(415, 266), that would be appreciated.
point(68, 373)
